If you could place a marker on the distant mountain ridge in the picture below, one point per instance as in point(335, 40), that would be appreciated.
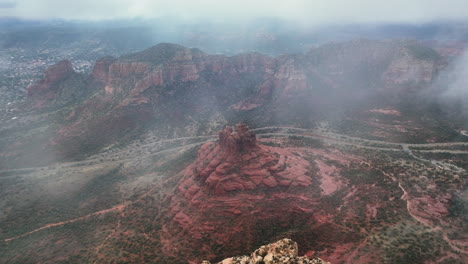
point(142, 88)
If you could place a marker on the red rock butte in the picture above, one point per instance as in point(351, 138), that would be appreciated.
point(52, 76)
point(236, 162)
point(237, 181)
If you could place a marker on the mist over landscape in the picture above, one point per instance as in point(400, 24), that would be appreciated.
point(233, 131)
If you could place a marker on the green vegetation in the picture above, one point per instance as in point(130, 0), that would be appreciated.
point(100, 190)
point(359, 176)
point(459, 207)
point(300, 141)
point(271, 143)
point(408, 243)
point(423, 52)
point(178, 163)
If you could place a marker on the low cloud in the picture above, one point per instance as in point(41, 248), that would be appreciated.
point(7, 4)
point(455, 94)
point(305, 11)
point(458, 88)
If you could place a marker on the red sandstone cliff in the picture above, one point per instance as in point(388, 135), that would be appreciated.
point(60, 85)
point(238, 163)
point(101, 69)
point(47, 87)
point(137, 78)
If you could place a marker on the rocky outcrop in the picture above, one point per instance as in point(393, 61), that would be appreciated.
point(284, 251)
point(60, 85)
point(238, 163)
point(101, 69)
point(242, 191)
point(52, 77)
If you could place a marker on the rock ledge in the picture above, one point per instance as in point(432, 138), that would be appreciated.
point(284, 251)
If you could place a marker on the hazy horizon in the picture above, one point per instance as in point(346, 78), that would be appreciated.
point(299, 11)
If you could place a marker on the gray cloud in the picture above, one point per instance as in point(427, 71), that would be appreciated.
point(450, 89)
point(458, 88)
point(456, 93)
point(305, 11)
point(7, 4)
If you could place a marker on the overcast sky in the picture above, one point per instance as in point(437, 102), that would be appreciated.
point(308, 11)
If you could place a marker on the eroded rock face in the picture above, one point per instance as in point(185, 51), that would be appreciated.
point(60, 85)
point(101, 69)
point(240, 191)
point(283, 251)
point(52, 76)
point(236, 140)
point(238, 163)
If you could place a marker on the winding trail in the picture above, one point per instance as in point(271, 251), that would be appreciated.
point(409, 205)
point(283, 132)
point(118, 208)
point(350, 259)
point(330, 140)
point(367, 144)
point(98, 248)
point(390, 146)
point(96, 160)
point(448, 256)
point(437, 163)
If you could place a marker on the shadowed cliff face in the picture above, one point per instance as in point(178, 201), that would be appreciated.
point(60, 84)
